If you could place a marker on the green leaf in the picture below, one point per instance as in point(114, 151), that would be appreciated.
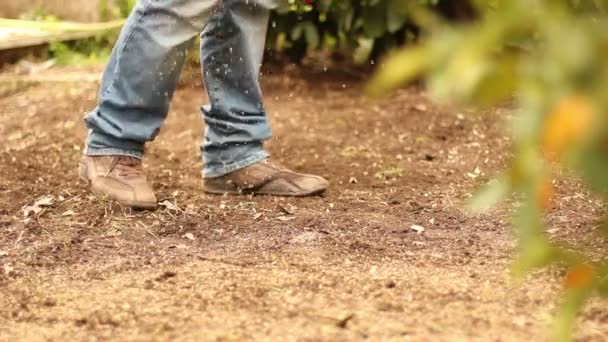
point(572, 304)
point(498, 83)
point(312, 36)
point(297, 31)
point(489, 195)
point(400, 68)
point(535, 252)
point(395, 19)
point(363, 51)
point(374, 20)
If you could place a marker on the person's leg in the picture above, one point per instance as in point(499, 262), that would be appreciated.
point(141, 76)
point(234, 159)
point(136, 89)
point(232, 48)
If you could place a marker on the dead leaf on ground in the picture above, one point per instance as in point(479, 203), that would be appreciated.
point(342, 323)
point(69, 213)
point(189, 236)
point(418, 229)
point(421, 107)
point(169, 206)
point(285, 218)
point(166, 275)
point(39, 206)
point(287, 209)
point(180, 246)
point(3, 254)
point(8, 269)
point(114, 232)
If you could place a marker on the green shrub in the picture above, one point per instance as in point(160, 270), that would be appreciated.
point(359, 28)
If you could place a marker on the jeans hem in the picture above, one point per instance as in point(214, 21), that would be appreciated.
point(218, 171)
point(113, 152)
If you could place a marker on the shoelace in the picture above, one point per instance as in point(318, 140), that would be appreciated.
point(126, 166)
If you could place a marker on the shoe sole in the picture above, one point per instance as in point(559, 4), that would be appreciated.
point(138, 206)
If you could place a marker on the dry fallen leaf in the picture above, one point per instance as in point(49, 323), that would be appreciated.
point(188, 236)
point(169, 206)
point(285, 218)
point(475, 173)
point(38, 207)
point(113, 233)
point(418, 229)
point(69, 213)
point(286, 209)
point(421, 107)
point(257, 216)
point(8, 269)
point(343, 322)
point(3, 254)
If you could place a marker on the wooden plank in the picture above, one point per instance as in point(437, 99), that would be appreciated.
point(22, 33)
point(21, 42)
point(51, 78)
point(60, 25)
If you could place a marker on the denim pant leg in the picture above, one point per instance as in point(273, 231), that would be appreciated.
point(140, 78)
point(232, 47)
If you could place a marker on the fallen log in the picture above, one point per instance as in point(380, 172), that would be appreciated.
point(15, 34)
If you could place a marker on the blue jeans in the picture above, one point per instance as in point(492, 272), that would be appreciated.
point(140, 79)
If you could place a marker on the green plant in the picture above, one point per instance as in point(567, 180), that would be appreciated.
point(359, 28)
point(112, 9)
point(92, 50)
point(550, 56)
point(125, 6)
point(82, 52)
point(39, 14)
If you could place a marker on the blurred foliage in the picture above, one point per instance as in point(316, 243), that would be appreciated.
point(551, 58)
point(86, 51)
point(358, 28)
point(39, 14)
point(89, 51)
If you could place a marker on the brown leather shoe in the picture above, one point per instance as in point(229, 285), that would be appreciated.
point(265, 178)
point(119, 177)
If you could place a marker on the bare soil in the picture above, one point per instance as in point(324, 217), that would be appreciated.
point(345, 266)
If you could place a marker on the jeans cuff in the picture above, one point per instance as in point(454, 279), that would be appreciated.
point(112, 152)
point(218, 171)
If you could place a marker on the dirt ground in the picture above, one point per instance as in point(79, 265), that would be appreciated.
point(345, 266)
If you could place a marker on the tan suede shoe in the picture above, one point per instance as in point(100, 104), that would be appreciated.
point(119, 177)
point(265, 178)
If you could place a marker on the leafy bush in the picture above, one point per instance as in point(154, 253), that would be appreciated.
point(550, 56)
point(358, 28)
